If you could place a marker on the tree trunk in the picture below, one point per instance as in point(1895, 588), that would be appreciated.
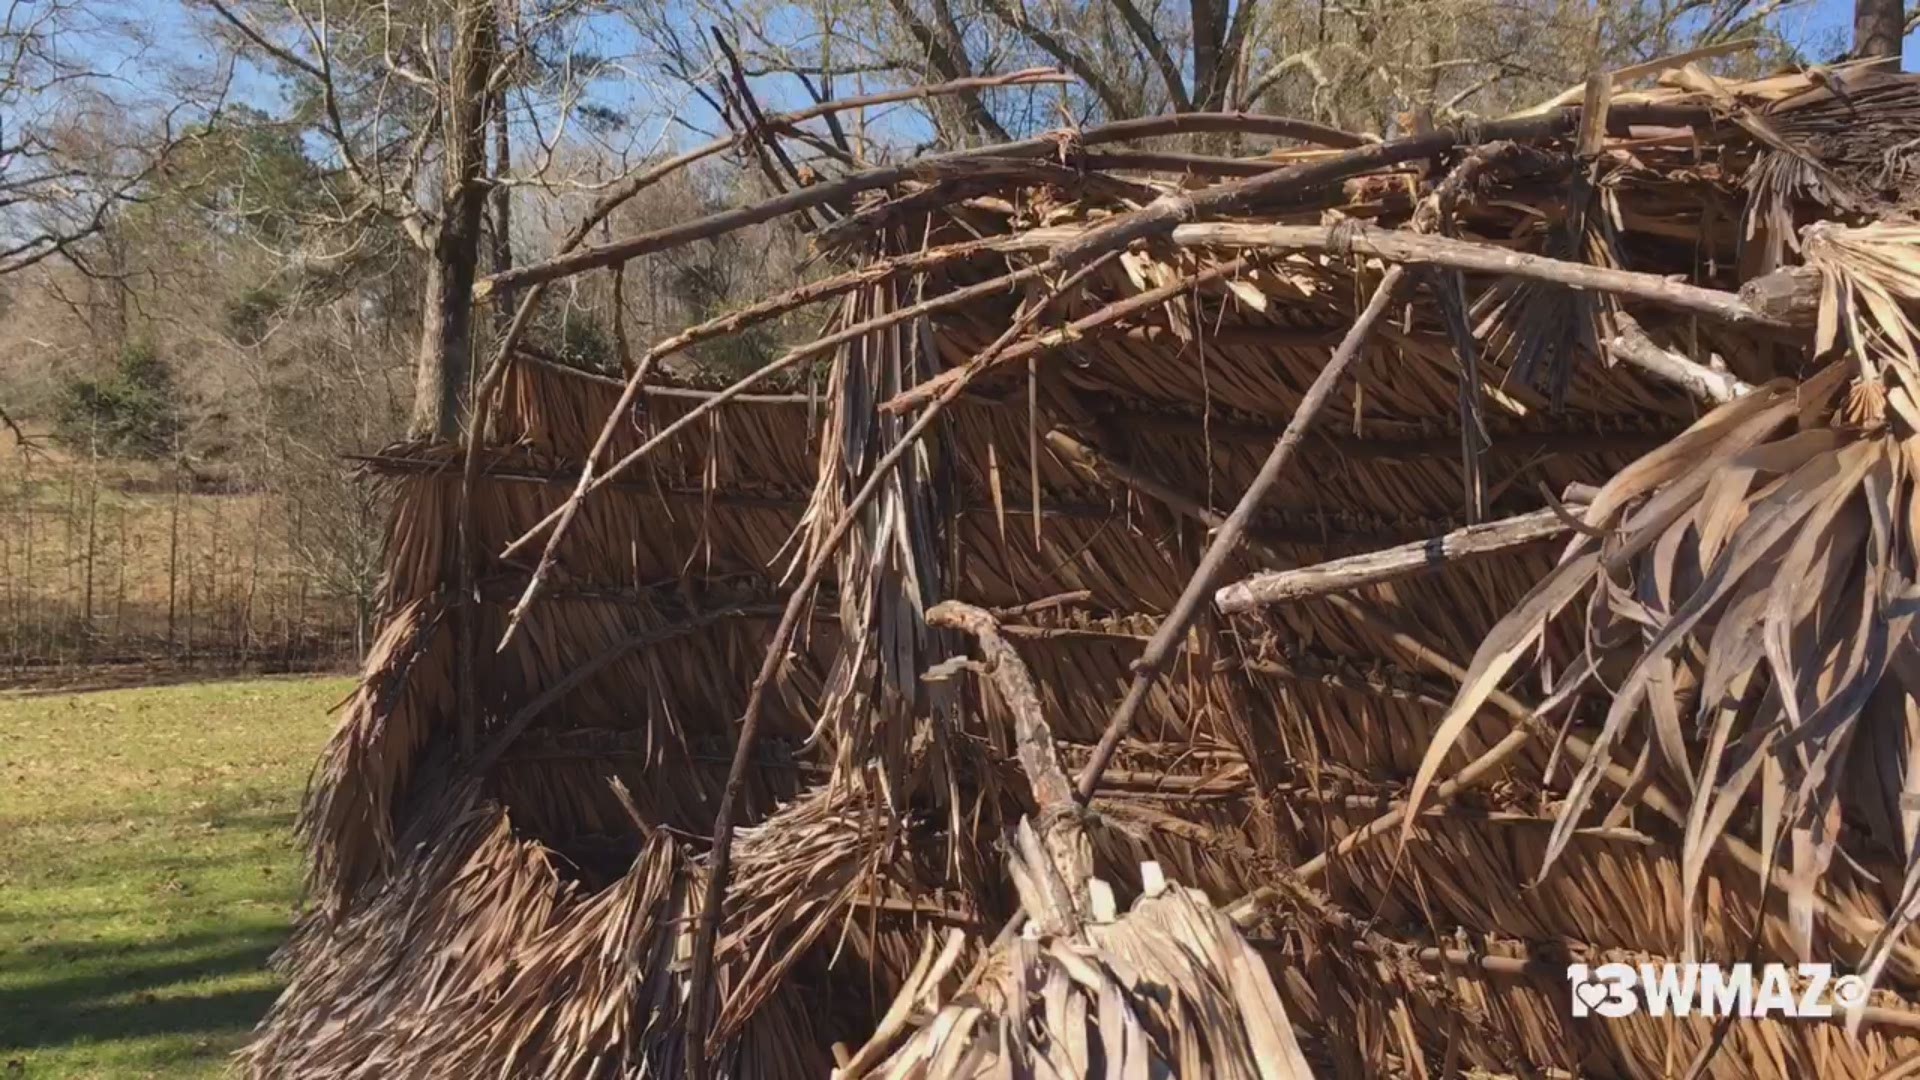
point(1209, 42)
point(1877, 26)
point(502, 209)
point(440, 369)
point(446, 331)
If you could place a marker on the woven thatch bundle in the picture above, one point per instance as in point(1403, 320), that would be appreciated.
point(1564, 557)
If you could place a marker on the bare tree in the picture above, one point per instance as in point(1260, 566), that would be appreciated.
point(78, 140)
point(73, 146)
point(1366, 64)
point(407, 98)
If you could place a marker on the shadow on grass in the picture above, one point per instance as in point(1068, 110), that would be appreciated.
point(57, 994)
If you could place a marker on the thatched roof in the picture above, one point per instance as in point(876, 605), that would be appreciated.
point(1626, 526)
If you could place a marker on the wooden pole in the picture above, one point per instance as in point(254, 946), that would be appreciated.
point(1111, 314)
point(1119, 474)
point(1083, 246)
point(635, 385)
point(996, 286)
point(1393, 245)
point(516, 327)
point(1061, 830)
point(1400, 246)
point(1161, 216)
point(173, 564)
point(966, 165)
point(1155, 219)
point(626, 189)
point(93, 517)
point(1033, 739)
point(1340, 575)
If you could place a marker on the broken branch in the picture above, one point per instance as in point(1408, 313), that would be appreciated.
point(1632, 346)
point(1340, 575)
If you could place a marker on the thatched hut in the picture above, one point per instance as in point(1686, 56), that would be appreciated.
point(1386, 572)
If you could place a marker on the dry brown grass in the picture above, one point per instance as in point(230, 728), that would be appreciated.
point(112, 561)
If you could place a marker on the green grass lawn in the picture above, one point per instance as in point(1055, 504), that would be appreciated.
point(147, 870)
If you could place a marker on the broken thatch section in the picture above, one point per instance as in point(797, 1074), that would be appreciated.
point(1625, 537)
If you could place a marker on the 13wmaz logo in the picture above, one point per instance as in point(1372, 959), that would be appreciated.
point(1710, 990)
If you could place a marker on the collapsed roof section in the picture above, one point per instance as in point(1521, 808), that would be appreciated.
point(1441, 559)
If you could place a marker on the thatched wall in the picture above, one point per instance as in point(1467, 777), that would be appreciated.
point(515, 890)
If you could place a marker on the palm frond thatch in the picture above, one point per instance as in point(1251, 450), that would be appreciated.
point(1672, 716)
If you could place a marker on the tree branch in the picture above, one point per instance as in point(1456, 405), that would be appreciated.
point(1270, 587)
point(1149, 39)
point(949, 59)
point(1634, 347)
point(956, 163)
point(1082, 68)
point(1395, 246)
point(720, 857)
point(278, 52)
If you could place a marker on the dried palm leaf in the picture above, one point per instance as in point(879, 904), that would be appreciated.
point(1757, 574)
point(888, 573)
point(1540, 330)
point(1170, 988)
point(478, 955)
point(349, 818)
point(1870, 278)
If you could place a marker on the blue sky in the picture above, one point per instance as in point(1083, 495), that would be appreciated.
point(1826, 22)
point(1819, 27)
